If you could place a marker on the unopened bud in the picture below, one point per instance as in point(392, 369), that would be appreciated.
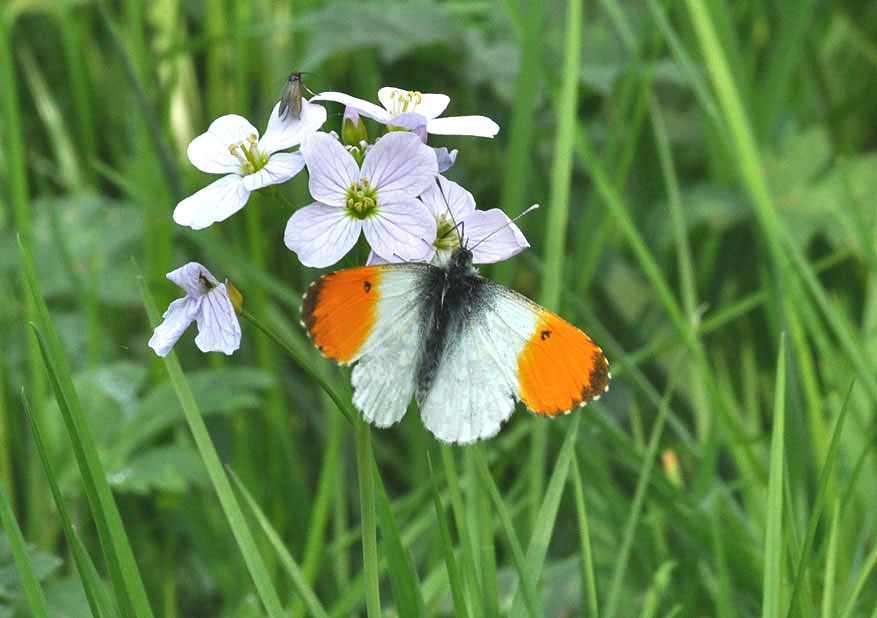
point(237, 300)
point(353, 130)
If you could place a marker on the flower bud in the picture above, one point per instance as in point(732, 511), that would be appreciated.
point(236, 298)
point(353, 130)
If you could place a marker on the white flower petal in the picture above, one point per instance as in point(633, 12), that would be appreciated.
point(210, 153)
point(492, 236)
point(432, 105)
point(180, 313)
point(367, 109)
point(188, 277)
point(286, 132)
point(321, 234)
point(403, 230)
point(374, 258)
point(280, 167)
point(331, 168)
point(479, 126)
point(399, 166)
point(218, 326)
point(413, 121)
point(446, 195)
point(215, 202)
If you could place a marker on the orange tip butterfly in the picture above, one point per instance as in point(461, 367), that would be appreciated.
point(463, 346)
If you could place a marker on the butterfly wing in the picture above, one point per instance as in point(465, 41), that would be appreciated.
point(510, 348)
point(370, 315)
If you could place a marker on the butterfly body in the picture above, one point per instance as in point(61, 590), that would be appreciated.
point(463, 346)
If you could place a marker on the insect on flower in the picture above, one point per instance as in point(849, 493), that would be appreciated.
point(290, 100)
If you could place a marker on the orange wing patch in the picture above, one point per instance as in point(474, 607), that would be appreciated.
point(560, 367)
point(340, 311)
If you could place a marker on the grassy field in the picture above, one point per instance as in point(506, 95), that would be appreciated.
point(708, 179)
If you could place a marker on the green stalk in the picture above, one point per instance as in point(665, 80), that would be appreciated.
point(773, 542)
point(18, 547)
point(557, 215)
point(364, 458)
point(230, 506)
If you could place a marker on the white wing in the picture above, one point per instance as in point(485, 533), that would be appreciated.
point(476, 385)
point(383, 378)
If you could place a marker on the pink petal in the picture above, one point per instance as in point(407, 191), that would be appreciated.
point(188, 277)
point(413, 121)
point(430, 106)
point(215, 202)
point(280, 167)
point(177, 318)
point(401, 231)
point(210, 153)
point(367, 109)
point(321, 234)
point(331, 168)
point(400, 166)
point(286, 132)
point(218, 326)
point(479, 126)
point(492, 237)
point(447, 198)
point(446, 158)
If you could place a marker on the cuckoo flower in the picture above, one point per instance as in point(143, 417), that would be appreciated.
point(401, 108)
point(379, 199)
point(232, 146)
point(489, 234)
point(206, 302)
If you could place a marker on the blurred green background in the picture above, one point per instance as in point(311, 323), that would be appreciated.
point(708, 178)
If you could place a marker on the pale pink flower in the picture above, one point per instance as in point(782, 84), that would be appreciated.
point(378, 199)
point(489, 234)
point(207, 303)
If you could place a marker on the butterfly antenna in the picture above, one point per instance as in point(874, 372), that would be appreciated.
point(505, 225)
point(456, 225)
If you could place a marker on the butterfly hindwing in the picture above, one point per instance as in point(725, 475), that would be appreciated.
point(510, 348)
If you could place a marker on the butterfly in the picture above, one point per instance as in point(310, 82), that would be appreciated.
point(463, 346)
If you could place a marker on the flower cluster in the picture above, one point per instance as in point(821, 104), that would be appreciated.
point(390, 190)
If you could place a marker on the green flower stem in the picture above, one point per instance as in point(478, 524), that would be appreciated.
point(362, 444)
point(344, 408)
point(364, 462)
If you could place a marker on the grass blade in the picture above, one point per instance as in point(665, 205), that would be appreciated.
point(773, 543)
point(636, 507)
point(403, 577)
point(365, 467)
point(95, 593)
point(466, 547)
point(29, 580)
point(454, 578)
point(215, 471)
point(819, 502)
point(296, 575)
point(525, 575)
point(130, 592)
point(590, 586)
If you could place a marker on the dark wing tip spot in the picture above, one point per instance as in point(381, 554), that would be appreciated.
point(309, 303)
point(599, 377)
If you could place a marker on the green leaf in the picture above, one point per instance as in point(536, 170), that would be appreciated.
point(773, 542)
point(130, 592)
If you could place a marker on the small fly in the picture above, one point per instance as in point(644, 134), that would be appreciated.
point(291, 99)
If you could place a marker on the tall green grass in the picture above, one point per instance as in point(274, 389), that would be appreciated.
point(707, 174)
